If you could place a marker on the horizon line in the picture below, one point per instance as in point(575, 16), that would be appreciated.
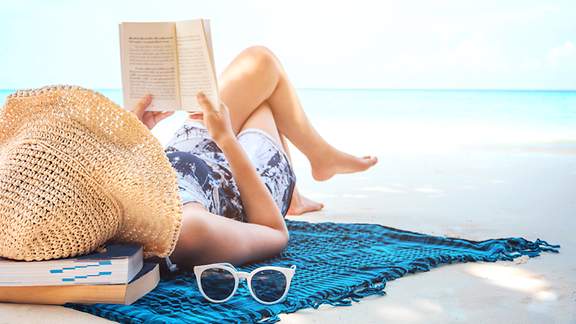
point(383, 89)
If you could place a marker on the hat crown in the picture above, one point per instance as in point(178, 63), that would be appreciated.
point(50, 206)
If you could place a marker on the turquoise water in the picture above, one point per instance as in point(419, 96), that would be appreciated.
point(547, 114)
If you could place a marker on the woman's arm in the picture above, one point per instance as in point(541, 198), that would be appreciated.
point(257, 200)
point(207, 238)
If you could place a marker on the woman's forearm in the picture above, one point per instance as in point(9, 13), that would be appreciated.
point(258, 202)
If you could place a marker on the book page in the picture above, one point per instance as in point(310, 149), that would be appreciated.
point(150, 65)
point(196, 66)
point(208, 36)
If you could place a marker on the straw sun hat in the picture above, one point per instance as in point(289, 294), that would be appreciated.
point(76, 171)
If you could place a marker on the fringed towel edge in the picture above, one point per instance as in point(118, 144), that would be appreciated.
point(504, 250)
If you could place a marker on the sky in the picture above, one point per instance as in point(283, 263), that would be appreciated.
point(448, 44)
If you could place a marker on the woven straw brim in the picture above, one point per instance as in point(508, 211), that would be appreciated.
point(76, 171)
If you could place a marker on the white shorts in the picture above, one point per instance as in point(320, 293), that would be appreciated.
point(204, 175)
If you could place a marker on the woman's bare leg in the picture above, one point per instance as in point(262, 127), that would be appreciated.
point(256, 76)
point(263, 119)
point(299, 204)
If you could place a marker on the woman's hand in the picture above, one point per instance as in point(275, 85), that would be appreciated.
point(149, 118)
point(216, 120)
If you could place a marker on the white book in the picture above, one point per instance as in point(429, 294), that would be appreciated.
point(115, 264)
point(173, 61)
point(126, 293)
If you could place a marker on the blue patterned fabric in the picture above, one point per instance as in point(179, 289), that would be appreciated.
point(336, 264)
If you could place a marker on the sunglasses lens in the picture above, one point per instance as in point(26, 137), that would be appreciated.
point(269, 285)
point(218, 284)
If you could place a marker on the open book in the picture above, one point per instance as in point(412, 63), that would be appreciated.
point(171, 60)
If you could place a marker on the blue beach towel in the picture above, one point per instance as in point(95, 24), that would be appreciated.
point(336, 264)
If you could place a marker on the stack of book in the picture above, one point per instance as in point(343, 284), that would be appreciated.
point(115, 274)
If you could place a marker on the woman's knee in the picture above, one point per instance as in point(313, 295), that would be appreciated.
point(262, 58)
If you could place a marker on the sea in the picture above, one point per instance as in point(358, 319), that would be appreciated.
point(426, 120)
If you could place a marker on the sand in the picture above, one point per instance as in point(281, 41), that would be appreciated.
point(474, 194)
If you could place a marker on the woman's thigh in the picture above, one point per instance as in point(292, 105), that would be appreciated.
point(268, 155)
point(263, 119)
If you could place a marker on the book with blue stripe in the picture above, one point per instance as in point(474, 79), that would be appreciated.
point(126, 293)
point(112, 264)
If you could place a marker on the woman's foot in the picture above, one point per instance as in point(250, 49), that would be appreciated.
point(337, 162)
point(300, 204)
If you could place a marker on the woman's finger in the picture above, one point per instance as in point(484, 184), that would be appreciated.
point(163, 114)
point(142, 105)
point(198, 115)
point(204, 103)
point(157, 116)
point(223, 108)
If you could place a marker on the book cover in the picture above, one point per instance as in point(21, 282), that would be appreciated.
point(114, 264)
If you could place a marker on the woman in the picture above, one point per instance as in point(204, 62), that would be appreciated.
point(247, 177)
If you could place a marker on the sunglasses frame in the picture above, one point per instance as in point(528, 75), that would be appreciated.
point(238, 275)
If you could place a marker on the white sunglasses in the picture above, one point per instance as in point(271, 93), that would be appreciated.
point(218, 282)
